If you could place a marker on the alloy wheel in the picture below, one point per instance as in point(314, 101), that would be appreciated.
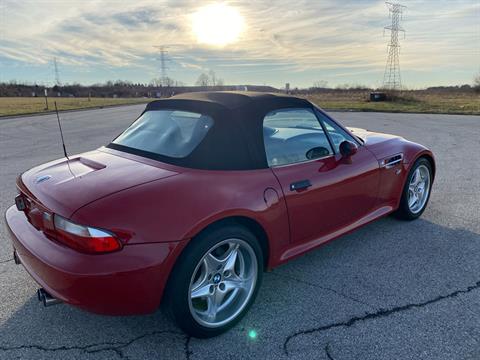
point(418, 189)
point(223, 282)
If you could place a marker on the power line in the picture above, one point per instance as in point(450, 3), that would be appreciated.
point(392, 79)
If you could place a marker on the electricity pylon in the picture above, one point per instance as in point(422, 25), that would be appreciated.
point(163, 65)
point(392, 79)
point(57, 74)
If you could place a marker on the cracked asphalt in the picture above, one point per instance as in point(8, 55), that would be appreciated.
point(390, 290)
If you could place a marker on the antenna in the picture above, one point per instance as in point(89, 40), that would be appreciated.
point(61, 132)
point(391, 78)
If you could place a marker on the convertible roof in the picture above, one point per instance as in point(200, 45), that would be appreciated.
point(235, 141)
point(232, 100)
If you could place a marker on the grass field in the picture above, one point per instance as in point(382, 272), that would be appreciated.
point(410, 101)
point(30, 105)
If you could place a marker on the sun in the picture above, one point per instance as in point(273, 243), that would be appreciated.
point(217, 24)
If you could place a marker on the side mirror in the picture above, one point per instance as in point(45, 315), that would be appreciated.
point(317, 152)
point(348, 148)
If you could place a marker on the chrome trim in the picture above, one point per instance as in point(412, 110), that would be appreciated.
point(391, 161)
point(46, 298)
point(302, 162)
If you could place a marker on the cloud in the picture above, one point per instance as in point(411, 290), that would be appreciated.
point(309, 36)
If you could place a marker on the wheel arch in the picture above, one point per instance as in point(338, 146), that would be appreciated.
point(426, 155)
point(413, 158)
point(431, 160)
point(251, 224)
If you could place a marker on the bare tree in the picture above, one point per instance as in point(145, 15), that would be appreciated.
point(213, 78)
point(161, 82)
point(203, 80)
point(168, 82)
point(209, 79)
point(476, 83)
point(320, 84)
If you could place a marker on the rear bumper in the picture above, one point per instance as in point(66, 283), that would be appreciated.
point(127, 282)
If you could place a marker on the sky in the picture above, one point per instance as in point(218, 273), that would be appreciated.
point(273, 41)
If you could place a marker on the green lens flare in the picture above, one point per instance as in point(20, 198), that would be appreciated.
point(252, 334)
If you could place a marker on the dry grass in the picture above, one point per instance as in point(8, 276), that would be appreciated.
point(410, 101)
point(30, 105)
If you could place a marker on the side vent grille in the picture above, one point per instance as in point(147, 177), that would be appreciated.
point(389, 162)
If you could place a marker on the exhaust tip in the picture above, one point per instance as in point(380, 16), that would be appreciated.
point(40, 294)
point(46, 298)
point(16, 259)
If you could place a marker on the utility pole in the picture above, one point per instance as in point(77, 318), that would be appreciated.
point(45, 93)
point(57, 74)
point(392, 79)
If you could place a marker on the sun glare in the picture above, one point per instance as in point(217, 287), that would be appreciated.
point(217, 24)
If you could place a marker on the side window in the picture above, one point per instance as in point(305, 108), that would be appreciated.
point(337, 134)
point(292, 136)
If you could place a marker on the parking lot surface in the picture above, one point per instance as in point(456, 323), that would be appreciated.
point(390, 290)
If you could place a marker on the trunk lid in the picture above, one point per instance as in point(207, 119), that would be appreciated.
point(65, 186)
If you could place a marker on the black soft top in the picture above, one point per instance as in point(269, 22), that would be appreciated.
point(235, 142)
point(234, 99)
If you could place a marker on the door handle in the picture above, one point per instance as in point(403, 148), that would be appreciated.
point(300, 185)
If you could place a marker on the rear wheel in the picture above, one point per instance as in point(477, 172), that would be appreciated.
point(215, 281)
point(416, 191)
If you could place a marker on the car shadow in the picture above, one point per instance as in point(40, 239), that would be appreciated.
point(386, 266)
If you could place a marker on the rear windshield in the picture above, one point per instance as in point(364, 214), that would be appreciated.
point(170, 133)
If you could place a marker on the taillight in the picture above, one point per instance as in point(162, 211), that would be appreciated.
point(84, 238)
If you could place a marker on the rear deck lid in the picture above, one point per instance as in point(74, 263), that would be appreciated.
point(63, 186)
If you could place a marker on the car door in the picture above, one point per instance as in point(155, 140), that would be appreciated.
point(324, 192)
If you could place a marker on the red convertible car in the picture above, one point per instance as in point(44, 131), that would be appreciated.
point(200, 195)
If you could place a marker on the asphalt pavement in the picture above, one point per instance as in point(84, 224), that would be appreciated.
point(390, 290)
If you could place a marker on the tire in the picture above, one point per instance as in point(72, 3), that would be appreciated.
point(408, 210)
point(210, 288)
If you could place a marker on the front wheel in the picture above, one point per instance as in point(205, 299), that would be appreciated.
point(215, 281)
point(416, 191)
